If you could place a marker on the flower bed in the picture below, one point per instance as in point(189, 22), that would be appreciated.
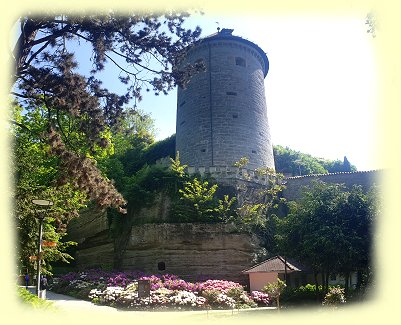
point(167, 291)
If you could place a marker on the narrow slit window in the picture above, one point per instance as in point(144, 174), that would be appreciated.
point(182, 123)
point(254, 151)
point(203, 150)
point(182, 104)
point(240, 61)
point(231, 93)
point(235, 115)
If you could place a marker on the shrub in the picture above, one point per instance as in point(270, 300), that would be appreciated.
point(274, 290)
point(32, 300)
point(220, 285)
point(186, 298)
point(260, 298)
point(334, 297)
point(241, 298)
point(306, 293)
point(167, 291)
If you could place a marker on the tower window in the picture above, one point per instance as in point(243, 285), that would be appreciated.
point(240, 61)
point(253, 151)
point(231, 93)
point(182, 123)
point(182, 104)
point(235, 115)
point(203, 150)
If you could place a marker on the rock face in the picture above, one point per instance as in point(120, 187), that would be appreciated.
point(190, 250)
point(91, 232)
point(193, 251)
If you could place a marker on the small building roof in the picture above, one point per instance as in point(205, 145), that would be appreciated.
point(276, 264)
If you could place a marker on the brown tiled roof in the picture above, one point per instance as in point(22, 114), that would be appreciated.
point(276, 264)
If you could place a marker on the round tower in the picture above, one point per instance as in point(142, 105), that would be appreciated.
point(222, 114)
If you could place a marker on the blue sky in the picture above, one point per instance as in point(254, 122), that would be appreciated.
point(321, 89)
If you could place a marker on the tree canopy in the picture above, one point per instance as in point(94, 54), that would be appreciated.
point(296, 163)
point(146, 48)
point(330, 229)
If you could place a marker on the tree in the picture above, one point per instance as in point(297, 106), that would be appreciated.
point(293, 162)
point(346, 165)
point(146, 48)
point(35, 178)
point(200, 198)
point(275, 290)
point(329, 229)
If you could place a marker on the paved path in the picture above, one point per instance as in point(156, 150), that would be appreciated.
point(68, 303)
point(63, 302)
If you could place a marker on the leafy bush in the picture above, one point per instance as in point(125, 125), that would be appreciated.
point(241, 297)
point(120, 289)
point(32, 300)
point(274, 290)
point(217, 299)
point(260, 298)
point(306, 293)
point(334, 297)
point(220, 285)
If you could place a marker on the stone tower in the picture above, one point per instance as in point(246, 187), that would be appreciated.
point(222, 114)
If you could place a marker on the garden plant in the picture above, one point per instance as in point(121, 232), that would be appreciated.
point(167, 291)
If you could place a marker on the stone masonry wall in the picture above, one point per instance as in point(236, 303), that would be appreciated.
point(192, 251)
point(294, 185)
point(189, 250)
point(222, 114)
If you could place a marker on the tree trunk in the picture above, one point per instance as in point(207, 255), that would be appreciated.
point(323, 283)
point(346, 284)
point(326, 289)
point(359, 280)
point(23, 45)
point(316, 285)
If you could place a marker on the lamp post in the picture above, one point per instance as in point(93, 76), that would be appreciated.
point(41, 217)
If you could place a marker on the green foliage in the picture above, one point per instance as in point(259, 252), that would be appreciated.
point(35, 177)
point(256, 207)
point(160, 149)
point(288, 161)
point(136, 129)
point(252, 213)
point(334, 297)
point(302, 294)
point(242, 300)
point(199, 197)
point(225, 209)
point(274, 289)
point(242, 162)
point(33, 301)
point(327, 222)
point(77, 113)
point(176, 167)
point(141, 188)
